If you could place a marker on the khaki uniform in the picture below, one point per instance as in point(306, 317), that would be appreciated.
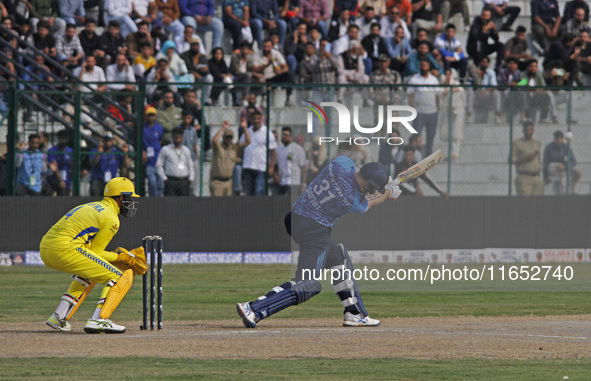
point(222, 167)
point(528, 180)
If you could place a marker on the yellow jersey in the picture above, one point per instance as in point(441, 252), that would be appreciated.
point(90, 226)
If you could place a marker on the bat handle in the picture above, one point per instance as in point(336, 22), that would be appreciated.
point(397, 181)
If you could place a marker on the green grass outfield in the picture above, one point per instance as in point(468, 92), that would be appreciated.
point(209, 292)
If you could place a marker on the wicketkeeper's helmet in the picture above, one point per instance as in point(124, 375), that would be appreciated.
point(122, 186)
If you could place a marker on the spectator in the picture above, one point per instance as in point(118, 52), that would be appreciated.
point(136, 39)
point(294, 47)
point(556, 165)
point(183, 43)
point(169, 12)
point(351, 67)
point(559, 55)
point(545, 21)
point(426, 14)
point(251, 102)
point(120, 71)
point(220, 73)
point(384, 76)
point(190, 104)
point(538, 98)
point(111, 41)
point(411, 187)
point(424, 100)
point(378, 6)
point(176, 64)
point(481, 100)
point(92, 75)
point(288, 12)
point(351, 5)
point(518, 48)
point(33, 73)
point(91, 42)
point(159, 35)
point(414, 59)
point(374, 45)
point(30, 166)
point(175, 167)
point(499, 9)
point(315, 13)
point(143, 63)
point(340, 26)
point(105, 162)
point(42, 39)
point(16, 10)
point(390, 23)
point(405, 8)
point(162, 75)
point(451, 51)
point(72, 11)
point(197, 65)
point(223, 161)
point(526, 157)
point(190, 138)
point(421, 36)
point(364, 23)
point(389, 152)
point(292, 165)
point(169, 116)
point(341, 45)
point(120, 11)
point(272, 65)
point(451, 7)
point(69, 44)
point(47, 10)
point(261, 148)
point(121, 113)
point(153, 135)
point(236, 18)
point(585, 54)
point(577, 24)
point(327, 68)
point(265, 16)
point(509, 77)
point(199, 14)
point(481, 30)
point(60, 160)
point(399, 50)
point(458, 112)
point(139, 11)
point(242, 68)
point(570, 8)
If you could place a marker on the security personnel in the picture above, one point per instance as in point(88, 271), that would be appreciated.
point(76, 245)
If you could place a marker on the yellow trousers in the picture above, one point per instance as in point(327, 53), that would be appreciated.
point(85, 264)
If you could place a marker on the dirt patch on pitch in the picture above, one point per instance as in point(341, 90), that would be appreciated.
point(419, 338)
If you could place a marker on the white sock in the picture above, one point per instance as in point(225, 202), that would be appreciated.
point(97, 314)
point(62, 309)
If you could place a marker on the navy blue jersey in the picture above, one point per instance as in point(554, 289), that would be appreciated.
point(333, 193)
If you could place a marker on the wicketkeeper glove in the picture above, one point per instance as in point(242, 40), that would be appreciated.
point(134, 259)
point(394, 189)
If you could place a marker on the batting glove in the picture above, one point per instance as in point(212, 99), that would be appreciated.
point(394, 191)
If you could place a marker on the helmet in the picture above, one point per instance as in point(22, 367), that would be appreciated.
point(377, 175)
point(122, 186)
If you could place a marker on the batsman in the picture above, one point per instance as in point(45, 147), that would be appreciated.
point(76, 245)
point(339, 189)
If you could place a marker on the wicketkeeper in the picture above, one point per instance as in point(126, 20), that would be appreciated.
point(337, 190)
point(76, 245)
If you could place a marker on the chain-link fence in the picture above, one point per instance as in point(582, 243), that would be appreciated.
point(486, 148)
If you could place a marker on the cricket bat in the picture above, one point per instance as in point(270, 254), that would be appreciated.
point(419, 168)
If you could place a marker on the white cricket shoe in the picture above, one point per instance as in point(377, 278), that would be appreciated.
point(102, 325)
point(351, 320)
point(56, 323)
point(249, 318)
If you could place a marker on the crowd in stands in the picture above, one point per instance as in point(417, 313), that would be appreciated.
point(393, 42)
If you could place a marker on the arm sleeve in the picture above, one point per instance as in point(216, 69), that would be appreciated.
point(160, 164)
point(360, 205)
point(103, 237)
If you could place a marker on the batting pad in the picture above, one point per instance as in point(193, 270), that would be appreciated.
point(80, 300)
point(117, 293)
